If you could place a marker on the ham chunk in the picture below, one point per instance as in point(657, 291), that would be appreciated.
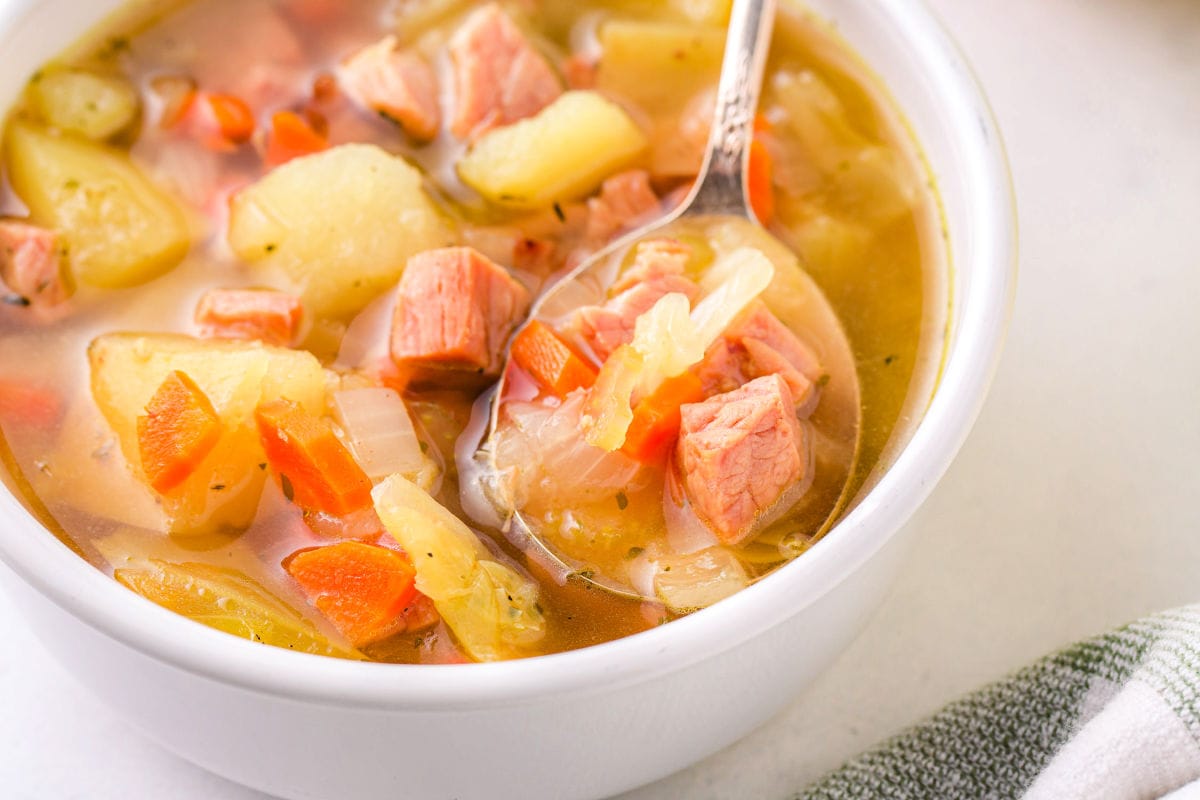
point(499, 78)
point(398, 84)
point(654, 260)
point(271, 317)
point(455, 310)
point(739, 452)
point(625, 201)
point(759, 344)
point(657, 271)
point(31, 263)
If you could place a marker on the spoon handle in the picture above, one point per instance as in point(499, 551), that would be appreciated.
point(722, 185)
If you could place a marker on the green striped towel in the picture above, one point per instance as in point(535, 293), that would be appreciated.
point(1112, 718)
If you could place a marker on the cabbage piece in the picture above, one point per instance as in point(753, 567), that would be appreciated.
point(667, 340)
point(697, 580)
point(539, 444)
point(730, 284)
point(491, 608)
point(608, 411)
point(229, 601)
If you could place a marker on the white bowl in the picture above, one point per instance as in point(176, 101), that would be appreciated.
point(587, 723)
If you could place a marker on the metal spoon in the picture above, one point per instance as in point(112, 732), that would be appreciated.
point(720, 197)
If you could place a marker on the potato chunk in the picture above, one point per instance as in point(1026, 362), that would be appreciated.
point(684, 59)
point(120, 229)
point(223, 492)
point(562, 153)
point(82, 102)
point(339, 225)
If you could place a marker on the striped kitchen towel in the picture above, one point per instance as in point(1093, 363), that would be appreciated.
point(1112, 718)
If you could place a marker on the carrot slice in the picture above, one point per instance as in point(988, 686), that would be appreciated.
point(363, 589)
point(539, 351)
point(180, 427)
point(314, 467)
point(233, 118)
point(656, 418)
point(761, 171)
point(291, 137)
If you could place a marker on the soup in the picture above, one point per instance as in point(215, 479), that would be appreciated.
point(263, 262)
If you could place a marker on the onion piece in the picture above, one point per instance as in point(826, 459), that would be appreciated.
point(686, 532)
point(368, 338)
point(382, 437)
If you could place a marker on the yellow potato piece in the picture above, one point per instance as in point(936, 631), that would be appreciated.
point(683, 60)
point(562, 153)
point(78, 101)
point(337, 226)
point(223, 492)
point(491, 608)
point(120, 229)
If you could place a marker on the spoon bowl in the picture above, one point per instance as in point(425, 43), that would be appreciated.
point(718, 212)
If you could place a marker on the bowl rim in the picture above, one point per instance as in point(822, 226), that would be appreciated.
point(42, 560)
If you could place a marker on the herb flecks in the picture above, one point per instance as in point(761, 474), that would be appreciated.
point(622, 501)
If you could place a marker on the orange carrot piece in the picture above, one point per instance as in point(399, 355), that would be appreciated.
point(539, 351)
point(761, 171)
point(364, 590)
point(37, 406)
point(231, 117)
point(180, 427)
point(291, 137)
point(314, 467)
point(656, 418)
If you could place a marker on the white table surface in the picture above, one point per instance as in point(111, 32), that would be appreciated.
point(1072, 507)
